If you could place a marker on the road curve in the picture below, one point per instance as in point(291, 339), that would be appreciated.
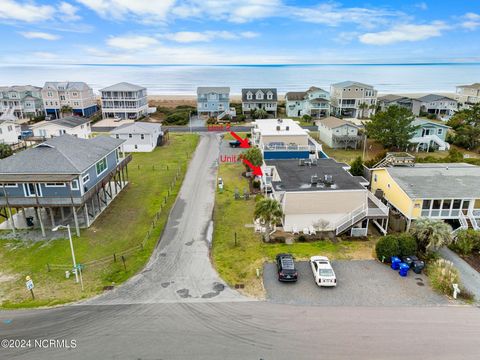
point(180, 269)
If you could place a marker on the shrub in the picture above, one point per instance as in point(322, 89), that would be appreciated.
point(307, 118)
point(211, 120)
point(177, 118)
point(466, 241)
point(387, 247)
point(443, 275)
point(407, 245)
point(356, 167)
point(256, 184)
point(240, 118)
point(301, 238)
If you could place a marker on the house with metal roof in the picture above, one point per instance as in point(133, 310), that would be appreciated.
point(284, 139)
point(71, 125)
point(139, 136)
point(449, 192)
point(124, 101)
point(260, 98)
point(314, 102)
point(353, 99)
point(76, 95)
point(60, 181)
point(338, 133)
point(321, 194)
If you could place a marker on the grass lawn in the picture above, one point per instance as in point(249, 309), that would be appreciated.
point(122, 226)
point(237, 264)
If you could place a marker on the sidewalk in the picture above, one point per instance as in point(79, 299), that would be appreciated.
point(470, 277)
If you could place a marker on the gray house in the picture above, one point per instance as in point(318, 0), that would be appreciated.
point(338, 133)
point(63, 180)
point(213, 101)
point(412, 104)
point(265, 99)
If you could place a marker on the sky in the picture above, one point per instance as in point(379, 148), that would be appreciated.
point(238, 31)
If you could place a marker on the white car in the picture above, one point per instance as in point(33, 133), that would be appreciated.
point(322, 271)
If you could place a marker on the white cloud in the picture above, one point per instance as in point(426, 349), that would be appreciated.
point(25, 11)
point(332, 14)
point(39, 35)
point(421, 6)
point(206, 36)
point(131, 42)
point(471, 21)
point(68, 12)
point(142, 10)
point(404, 32)
point(44, 55)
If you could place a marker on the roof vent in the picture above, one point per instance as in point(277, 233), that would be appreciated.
point(280, 121)
point(278, 127)
point(328, 180)
point(314, 179)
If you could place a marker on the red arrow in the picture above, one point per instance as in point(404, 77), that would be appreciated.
point(257, 170)
point(244, 143)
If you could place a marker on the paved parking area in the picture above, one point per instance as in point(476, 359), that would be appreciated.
point(359, 283)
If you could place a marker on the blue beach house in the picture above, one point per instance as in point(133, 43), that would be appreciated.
point(213, 101)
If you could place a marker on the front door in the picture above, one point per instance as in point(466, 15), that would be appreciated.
point(465, 206)
point(32, 189)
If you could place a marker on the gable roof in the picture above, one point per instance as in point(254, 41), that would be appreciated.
point(420, 122)
point(255, 90)
point(332, 122)
point(123, 86)
point(64, 154)
point(137, 127)
point(201, 90)
point(390, 97)
point(69, 121)
point(295, 95)
point(438, 180)
point(434, 97)
point(67, 85)
point(345, 84)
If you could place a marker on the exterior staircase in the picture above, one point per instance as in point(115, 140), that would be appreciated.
point(442, 145)
point(232, 112)
point(396, 159)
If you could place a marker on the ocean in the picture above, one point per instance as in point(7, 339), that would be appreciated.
point(184, 79)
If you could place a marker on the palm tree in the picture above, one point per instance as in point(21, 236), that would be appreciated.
point(261, 114)
point(66, 110)
point(431, 234)
point(269, 212)
point(363, 106)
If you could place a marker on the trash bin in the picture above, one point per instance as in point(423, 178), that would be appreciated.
point(403, 269)
point(395, 262)
point(29, 221)
point(409, 260)
point(418, 266)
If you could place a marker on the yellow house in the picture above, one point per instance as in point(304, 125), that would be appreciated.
point(450, 192)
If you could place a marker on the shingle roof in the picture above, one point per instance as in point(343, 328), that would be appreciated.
point(344, 84)
point(20, 88)
point(64, 154)
point(254, 91)
point(295, 95)
point(390, 98)
point(332, 122)
point(69, 121)
point(123, 86)
point(430, 181)
point(216, 89)
point(419, 122)
point(434, 97)
point(67, 85)
point(136, 128)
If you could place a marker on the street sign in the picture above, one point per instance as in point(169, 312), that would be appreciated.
point(29, 284)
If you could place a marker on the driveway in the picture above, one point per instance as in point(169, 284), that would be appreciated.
point(360, 283)
point(180, 269)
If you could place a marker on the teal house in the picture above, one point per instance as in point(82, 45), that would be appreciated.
point(429, 135)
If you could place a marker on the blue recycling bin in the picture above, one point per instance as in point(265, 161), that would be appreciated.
point(404, 267)
point(395, 262)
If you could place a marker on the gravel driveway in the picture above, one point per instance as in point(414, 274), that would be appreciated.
point(360, 283)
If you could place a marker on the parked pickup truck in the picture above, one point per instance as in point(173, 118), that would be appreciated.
point(236, 143)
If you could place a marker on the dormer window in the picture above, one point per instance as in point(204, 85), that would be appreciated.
point(269, 95)
point(259, 95)
point(249, 96)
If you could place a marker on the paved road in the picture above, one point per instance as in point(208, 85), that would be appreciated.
point(246, 330)
point(470, 277)
point(180, 269)
point(360, 283)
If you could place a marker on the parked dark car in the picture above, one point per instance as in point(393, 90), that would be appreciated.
point(237, 143)
point(286, 268)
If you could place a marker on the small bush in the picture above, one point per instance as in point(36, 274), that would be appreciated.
point(279, 239)
point(177, 118)
point(211, 120)
point(387, 247)
point(443, 275)
point(466, 241)
point(307, 118)
point(407, 245)
point(301, 238)
point(256, 184)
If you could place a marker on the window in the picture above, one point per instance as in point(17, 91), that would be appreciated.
point(86, 179)
point(440, 131)
point(375, 178)
point(142, 136)
point(136, 146)
point(130, 136)
point(62, 97)
point(55, 184)
point(101, 166)
point(74, 184)
point(10, 128)
point(117, 136)
point(10, 185)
